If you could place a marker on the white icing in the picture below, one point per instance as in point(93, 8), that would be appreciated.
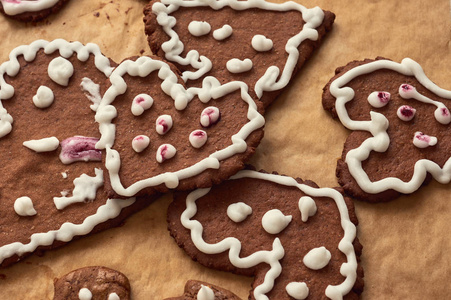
point(261, 43)
point(113, 296)
point(223, 32)
point(212, 89)
point(198, 138)
point(236, 65)
point(141, 103)
point(60, 70)
point(205, 293)
point(199, 28)
point(64, 174)
point(84, 294)
point(238, 212)
point(24, 207)
point(307, 207)
point(163, 124)
point(209, 116)
point(43, 145)
point(317, 258)
point(164, 152)
point(20, 6)
point(140, 143)
point(378, 125)
point(110, 210)
point(379, 99)
point(274, 221)
point(348, 269)
point(92, 92)
point(297, 290)
point(44, 97)
point(274, 78)
point(5, 121)
point(406, 112)
point(85, 189)
point(422, 140)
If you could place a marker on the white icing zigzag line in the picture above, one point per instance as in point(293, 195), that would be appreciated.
point(268, 82)
point(66, 49)
point(212, 89)
point(21, 6)
point(378, 128)
point(67, 231)
point(348, 269)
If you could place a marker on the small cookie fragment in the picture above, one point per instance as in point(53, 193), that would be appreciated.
point(92, 283)
point(288, 255)
point(198, 290)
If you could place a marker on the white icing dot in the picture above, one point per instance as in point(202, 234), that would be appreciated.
point(113, 296)
point(198, 138)
point(379, 99)
point(205, 293)
point(308, 208)
point(164, 152)
point(42, 145)
point(60, 70)
point(297, 290)
point(163, 124)
point(406, 112)
point(239, 66)
point(222, 33)
point(317, 258)
point(140, 143)
point(24, 207)
point(442, 115)
point(407, 91)
point(261, 43)
point(422, 140)
point(210, 116)
point(44, 97)
point(274, 221)
point(238, 212)
point(141, 103)
point(84, 294)
point(199, 28)
point(64, 174)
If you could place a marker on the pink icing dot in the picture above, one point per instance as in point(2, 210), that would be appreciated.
point(141, 103)
point(198, 138)
point(379, 99)
point(163, 124)
point(406, 112)
point(210, 116)
point(406, 91)
point(422, 140)
point(140, 142)
point(79, 148)
point(164, 152)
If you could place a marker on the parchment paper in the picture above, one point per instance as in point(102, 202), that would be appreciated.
point(406, 242)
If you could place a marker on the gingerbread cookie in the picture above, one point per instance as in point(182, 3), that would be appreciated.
point(198, 290)
point(51, 186)
point(92, 283)
point(298, 240)
point(30, 10)
point(159, 135)
point(400, 122)
point(226, 39)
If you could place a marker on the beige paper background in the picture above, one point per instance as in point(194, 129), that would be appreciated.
point(406, 242)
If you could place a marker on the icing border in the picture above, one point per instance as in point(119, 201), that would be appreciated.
point(14, 8)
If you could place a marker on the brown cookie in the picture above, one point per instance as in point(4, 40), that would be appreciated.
point(198, 290)
point(228, 40)
point(30, 10)
point(92, 283)
point(51, 187)
point(400, 122)
point(158, 135)
point(298, 240)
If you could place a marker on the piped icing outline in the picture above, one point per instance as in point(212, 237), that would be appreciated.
point(273, 257)
point(212, 89)
point(378, 126)
point(273, 79)
point(22, 6)
point(66, 49)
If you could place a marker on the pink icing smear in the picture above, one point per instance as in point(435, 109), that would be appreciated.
point(79, 148)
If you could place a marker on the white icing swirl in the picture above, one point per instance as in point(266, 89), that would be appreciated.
point(24, 207)
point(238, 212)
point(43, 145)
point(60, 70)
point(274, 221)
point(223, 32)
point(317, 258)
point(199, 28)
point(44, 97)
point(236, 65)
point(261, 43)
point(297, 290)
point(307, 207)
